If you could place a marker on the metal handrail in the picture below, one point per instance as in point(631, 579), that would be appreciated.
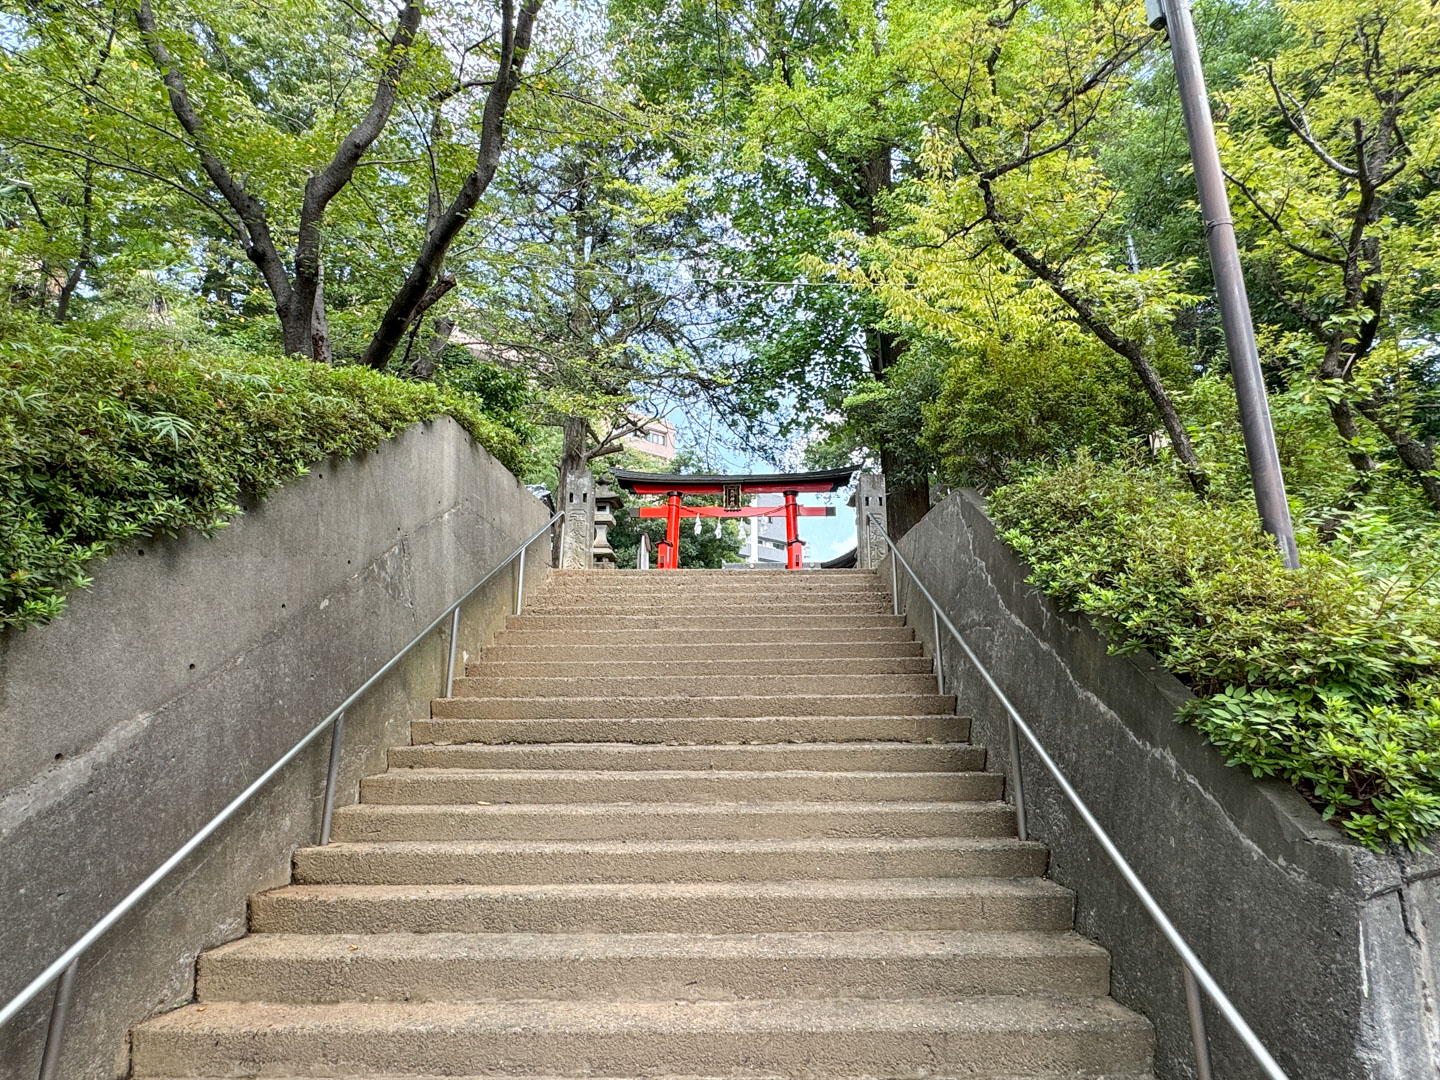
point(1196, 976)
point(65, 965)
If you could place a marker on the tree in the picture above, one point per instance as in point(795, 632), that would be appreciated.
point(423, 285)
point(1011, 232)
point(580, 285)
point(280, 151)
point(815, 112)
point(1335, 152)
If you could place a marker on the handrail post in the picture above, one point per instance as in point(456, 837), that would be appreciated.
point(1193, 1003)
point(1017, 785)
point(520, 580)
point(895, 581)
point(939, 656)
point(454, 640)
point(59, 1013)
point(332, 776)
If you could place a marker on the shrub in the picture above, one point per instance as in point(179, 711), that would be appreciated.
point(1328, 676)
point(102, 440)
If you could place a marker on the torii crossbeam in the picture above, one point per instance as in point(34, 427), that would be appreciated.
point(732, 490)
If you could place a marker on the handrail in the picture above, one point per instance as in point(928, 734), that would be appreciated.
point(1194, 971)
point(64, 966)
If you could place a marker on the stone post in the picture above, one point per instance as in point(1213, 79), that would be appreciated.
point(577, 533)
point(869, 539)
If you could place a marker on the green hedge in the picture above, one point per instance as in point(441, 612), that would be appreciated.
point(1326, 676)
point(103, 439)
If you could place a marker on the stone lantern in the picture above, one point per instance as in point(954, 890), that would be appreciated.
point(607, 501)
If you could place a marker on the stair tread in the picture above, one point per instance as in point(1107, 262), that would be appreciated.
point(622, 748)
point(757, 808)
point(923, 843)
point(805, 717)
point(747, 1076)
point(688, 697)
point(879, 944)
point(838, 1015)
point(729, 774)
point(728, 757)
point(937, 888)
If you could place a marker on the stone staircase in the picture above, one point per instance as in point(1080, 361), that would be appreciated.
point(698, 823)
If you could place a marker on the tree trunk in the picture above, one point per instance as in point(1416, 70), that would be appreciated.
point(906, 500)
point(1089, 318)
point(907, 496)
point(572, 456)
point(427, 359)
point(87, 238)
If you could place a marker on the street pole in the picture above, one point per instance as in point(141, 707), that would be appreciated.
point(1265, 476)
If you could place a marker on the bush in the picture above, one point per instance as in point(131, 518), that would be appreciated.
point(102, 440)
point(1328, 676)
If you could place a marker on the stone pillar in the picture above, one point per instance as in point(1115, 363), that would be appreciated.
point(869, 539)
point(577, 532)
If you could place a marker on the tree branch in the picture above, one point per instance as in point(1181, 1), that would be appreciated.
point(516, 33)
point(1091, 320)
point(1298, 124)
point(258, 243)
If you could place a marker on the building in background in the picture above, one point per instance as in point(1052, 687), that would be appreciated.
point(656, 438)
point(766, 546)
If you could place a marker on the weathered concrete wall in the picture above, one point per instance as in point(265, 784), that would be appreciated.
point(1329, 950)
point(186, 670)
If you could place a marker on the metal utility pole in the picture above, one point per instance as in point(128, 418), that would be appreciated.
point(1269, 485)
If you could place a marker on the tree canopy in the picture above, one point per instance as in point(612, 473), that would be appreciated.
point(948, 237)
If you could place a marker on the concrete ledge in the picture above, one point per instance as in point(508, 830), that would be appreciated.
point(1330, 951)
point(184, 672)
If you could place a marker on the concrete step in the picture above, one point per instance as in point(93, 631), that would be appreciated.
point(670, 637)
point(313, 968)
point(791, 1038)
point(665, 821)
point(835, 904)
point(828, 757)
point(755, 580)
point(472, 1076)
point(741, 624)
point(709, 607)
point(683, 683)
point(433, 787)
point(548, 669)
point(731, 603)
point(696, 729)
point(564, 862)
point(632, 583)
point(735, 653)
point(601, 708)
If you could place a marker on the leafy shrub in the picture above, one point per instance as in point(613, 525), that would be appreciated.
point(1003, 404)
point(102, 439)
point(1328, 676)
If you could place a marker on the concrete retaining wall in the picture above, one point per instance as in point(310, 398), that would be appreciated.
point(1330, 951)
point(186, 670)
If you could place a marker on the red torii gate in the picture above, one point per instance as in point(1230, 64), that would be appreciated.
point(732, 490)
